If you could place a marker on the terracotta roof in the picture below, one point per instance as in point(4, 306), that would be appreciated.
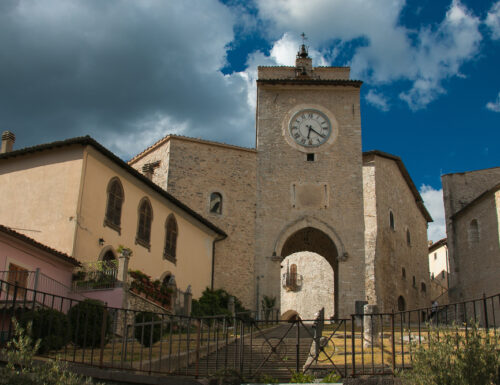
point(418, 199)
point(38, 245)
point(437, 245)
point(316, 82)
point(190, 139)
point(88, 141)
point(476, 200)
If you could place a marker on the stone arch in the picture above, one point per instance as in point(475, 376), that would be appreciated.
point(106, 252)
point(317, 242)
point(304, 222)
point(289, 315)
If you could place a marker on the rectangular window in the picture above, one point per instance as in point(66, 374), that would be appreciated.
point(310, 157)
point(435, 256)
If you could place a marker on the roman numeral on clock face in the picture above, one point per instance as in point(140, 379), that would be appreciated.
point(309, 128)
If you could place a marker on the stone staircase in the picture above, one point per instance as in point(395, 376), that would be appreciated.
point(255, 357)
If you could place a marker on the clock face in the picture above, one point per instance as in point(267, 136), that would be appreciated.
point(310, 128)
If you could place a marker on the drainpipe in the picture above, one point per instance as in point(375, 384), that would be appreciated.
point(213, 261)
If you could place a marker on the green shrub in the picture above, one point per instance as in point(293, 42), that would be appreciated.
point(454, 359)
point(20, 369)
point(301, 378)
point(331, 378)
point(48, 325)
point(216, 302)
point(143, 332)
point(86, 322)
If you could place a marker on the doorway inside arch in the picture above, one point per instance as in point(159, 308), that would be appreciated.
point(309, 274)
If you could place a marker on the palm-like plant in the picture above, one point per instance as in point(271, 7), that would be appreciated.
point(268, 305)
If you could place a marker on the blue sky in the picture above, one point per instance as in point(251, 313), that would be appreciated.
point(129, 72)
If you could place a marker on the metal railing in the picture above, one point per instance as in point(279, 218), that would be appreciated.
point(125, 339)
point(36, 280)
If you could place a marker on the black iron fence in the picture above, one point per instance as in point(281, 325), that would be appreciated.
point(87, 332)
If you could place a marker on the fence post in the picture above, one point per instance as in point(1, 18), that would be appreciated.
point(198, 336)
point(485, 308)
point(37, 277)
point(103, 335)
point(13, 308)
point(393, 343)
point(353, 344)
point(297, 347)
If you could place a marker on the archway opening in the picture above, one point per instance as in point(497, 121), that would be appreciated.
point(309, 274)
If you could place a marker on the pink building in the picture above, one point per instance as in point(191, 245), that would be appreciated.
point(32, 265)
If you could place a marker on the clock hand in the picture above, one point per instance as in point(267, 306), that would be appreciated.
point(312, 129)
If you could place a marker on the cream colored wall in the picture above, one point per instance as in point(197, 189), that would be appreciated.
point(39, 195)
point(438, 264)
point(194, 243)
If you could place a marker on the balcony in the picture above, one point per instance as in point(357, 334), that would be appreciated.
point(291, 281)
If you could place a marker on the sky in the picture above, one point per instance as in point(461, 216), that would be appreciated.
point(129, 72)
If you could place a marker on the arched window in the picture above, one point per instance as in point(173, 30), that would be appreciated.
point(171, 232)
point(423, 287)
point(401, 303)
point(143, 236)
point(403, 273)
point(473, 232)
point(408, 237)
point(216, 203)
point(391, 220)
point(114, 204)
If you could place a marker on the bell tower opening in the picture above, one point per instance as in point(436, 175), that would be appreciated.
point(309, 274)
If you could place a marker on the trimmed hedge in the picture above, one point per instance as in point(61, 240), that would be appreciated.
point(143, 332)
point(50, 326)
point(86, 322)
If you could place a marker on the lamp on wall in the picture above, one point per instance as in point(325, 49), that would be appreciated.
point(101, 241)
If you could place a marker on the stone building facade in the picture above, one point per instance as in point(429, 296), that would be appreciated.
point(306, 188)
point(472, 208)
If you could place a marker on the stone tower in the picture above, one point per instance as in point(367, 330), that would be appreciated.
point(309, 176)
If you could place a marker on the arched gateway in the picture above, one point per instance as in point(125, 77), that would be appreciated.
point(309, 273)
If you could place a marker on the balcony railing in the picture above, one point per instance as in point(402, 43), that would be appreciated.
point(96, 275)
point(292, 281)
point(37, 281)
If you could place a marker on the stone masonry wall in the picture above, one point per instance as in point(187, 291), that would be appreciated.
point(392, 252)
point(191, 170)
point(460, 189)
point(477, 264)
point(316, 291)
point(337, 169)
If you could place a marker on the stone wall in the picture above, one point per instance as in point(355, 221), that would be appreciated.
point(317, 286)
point(477, 262)
point(191, 170)
point(337, 167)
point(459, 190)
point(392, 251)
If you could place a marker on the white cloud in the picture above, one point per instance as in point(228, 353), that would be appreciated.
point(390, 52)
point(494, 106)
point(493, 20)
point(377, 100)
point(433, 200)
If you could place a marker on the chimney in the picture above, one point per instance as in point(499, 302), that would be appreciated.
point(8, 139)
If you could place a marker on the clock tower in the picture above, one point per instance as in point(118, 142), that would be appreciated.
point(310, 178)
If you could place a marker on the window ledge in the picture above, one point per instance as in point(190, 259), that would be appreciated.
point(170, 258)
point(143, 242)
point(111, 225)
